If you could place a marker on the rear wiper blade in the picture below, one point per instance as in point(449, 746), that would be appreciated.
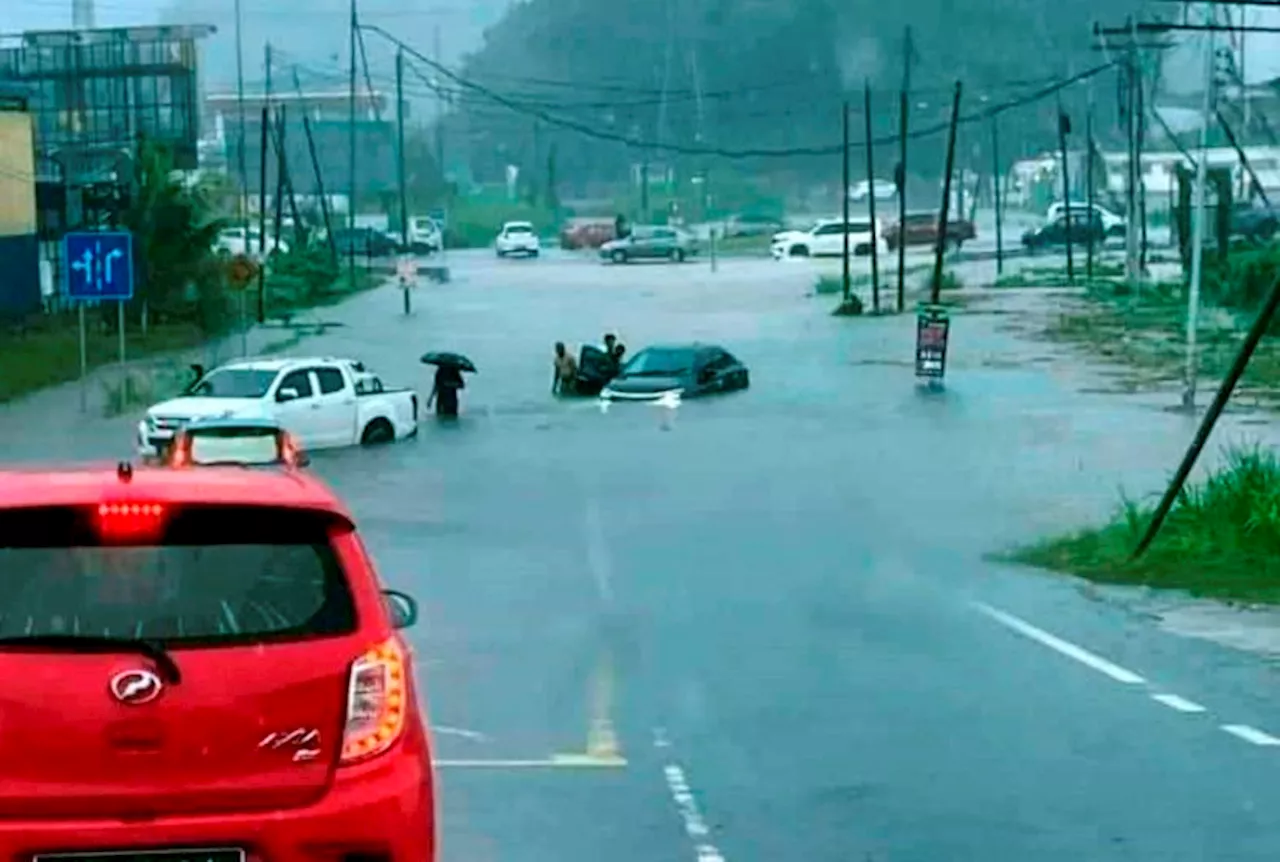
point(153, 650)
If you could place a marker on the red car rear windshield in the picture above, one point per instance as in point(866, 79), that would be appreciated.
point(195, 575)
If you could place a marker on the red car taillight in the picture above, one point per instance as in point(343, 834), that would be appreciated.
point(376, 702)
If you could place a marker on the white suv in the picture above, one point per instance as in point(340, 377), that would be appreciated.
point(517, 237)
point(826, 239)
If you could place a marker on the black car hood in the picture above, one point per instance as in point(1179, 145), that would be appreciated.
point(641, 385)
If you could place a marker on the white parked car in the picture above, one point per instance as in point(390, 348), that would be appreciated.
point(323, 402)
point(425, 236)
point(232, 242)
point(1112, 224)
point(517, 237)
point(826, 239)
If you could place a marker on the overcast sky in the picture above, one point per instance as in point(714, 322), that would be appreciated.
point(313, 33)
point(309, 32)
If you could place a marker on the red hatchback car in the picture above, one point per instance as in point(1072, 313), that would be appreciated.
point(202, 665)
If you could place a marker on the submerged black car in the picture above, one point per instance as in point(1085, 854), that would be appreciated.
point(683, 370)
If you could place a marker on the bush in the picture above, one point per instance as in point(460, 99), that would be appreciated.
point(1245, 280)
point(1221, 538)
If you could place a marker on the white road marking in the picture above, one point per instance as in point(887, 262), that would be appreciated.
point(695, 825)
point(559, 761)
point(1250, 734)
point(1181, 704)
point(445, 730)
point(1066, 648)
point(598, 558)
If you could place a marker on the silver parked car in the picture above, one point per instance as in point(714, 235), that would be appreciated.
point(651, 243)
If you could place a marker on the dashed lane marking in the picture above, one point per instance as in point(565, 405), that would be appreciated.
point(461, 732)
point(1066, 648)
point(1181, 704)
point(1250, 734)
point(559, 761)
point(695, 825)
point(1241, 731)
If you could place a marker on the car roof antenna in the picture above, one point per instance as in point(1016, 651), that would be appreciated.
point(124, 471)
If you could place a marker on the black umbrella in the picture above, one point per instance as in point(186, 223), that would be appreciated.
point(448, 360)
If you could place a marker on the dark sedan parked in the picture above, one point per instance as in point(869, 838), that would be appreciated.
point(681, 371)
point(1055, 234)
point(364, 241)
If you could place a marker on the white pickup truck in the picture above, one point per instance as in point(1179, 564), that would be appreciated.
point(323, 402)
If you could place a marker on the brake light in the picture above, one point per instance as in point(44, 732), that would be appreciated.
point(123, 521)
point(376, 702)
point(289, 450)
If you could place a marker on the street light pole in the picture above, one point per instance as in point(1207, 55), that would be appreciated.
point(1197, 232)
point(243, 132)
point(351, 155)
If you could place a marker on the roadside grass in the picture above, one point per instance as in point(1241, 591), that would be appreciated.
point(1056, 276)
point(1143, 333)
point(46, 351)
point(1221, 539)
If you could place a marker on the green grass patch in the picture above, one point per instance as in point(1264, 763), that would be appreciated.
point(1221, 539)
point(46, 352)
point(827, 285)
point(743, 246)
point(1056, 276)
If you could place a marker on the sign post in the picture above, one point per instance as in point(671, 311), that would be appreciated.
point(407, 272)
point(97, 267)
point(933, 327)
point(241, 271)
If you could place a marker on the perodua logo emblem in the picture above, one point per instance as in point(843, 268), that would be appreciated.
point(134, 687)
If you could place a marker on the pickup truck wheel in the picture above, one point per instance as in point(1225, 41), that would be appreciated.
point(799, 251)
point(377, 431)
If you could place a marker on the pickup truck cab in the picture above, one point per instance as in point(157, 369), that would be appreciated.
point(323, 402)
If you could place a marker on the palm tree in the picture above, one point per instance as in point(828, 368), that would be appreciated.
point(179, 275)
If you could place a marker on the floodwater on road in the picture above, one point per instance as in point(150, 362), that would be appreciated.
point(761, 626)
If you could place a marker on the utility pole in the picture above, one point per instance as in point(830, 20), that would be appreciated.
point(435, 57)
point(944, 216)
point(279, 196)
point(901, 173)
point(1132, 262)
point(1064, 126)
point(1197, 239)
point(320, 191)
point(996, 176)
point(400, 182)
point(844, 201)
point(351, 155)
point(262, 217)
point(871, 198)
point(243, 128)
point(1088, 186)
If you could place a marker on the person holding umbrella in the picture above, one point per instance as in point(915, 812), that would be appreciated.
point(448, 381)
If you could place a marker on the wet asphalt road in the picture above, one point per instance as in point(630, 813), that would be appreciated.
point(760, 627)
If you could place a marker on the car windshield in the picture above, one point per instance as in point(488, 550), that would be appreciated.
point(234, 383)
point(659, 362)
point(519, 228)
point(208, 574)
point(234, 446)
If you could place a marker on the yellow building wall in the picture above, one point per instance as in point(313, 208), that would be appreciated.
point(17, 175)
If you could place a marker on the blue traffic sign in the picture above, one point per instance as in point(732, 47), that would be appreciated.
point(98, 265)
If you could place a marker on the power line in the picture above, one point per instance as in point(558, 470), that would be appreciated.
point(582, 128)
